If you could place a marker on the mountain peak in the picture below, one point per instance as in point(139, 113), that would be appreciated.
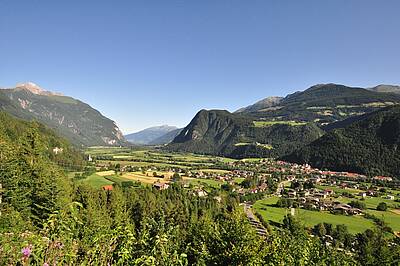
point(35, 89)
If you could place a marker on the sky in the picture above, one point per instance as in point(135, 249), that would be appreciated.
point(147, 63)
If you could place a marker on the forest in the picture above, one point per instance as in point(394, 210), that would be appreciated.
point(47, 219)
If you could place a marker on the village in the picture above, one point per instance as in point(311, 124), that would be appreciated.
point(269, 188)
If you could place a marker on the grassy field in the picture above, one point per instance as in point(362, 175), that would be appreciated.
point(271, 123)
point(340, 190)
point(265, 146)
point(217, 171)
point(390, 217)
point(148, 178)
point(96, 181)
point(355, 224)
point(203, 181)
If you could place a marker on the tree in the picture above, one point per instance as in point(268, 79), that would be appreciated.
point(319, 229)
point(382, 206)
point(358, 204)
point(176, 177)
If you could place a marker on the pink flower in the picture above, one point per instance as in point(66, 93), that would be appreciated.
point(26, 251)
point(45, 264)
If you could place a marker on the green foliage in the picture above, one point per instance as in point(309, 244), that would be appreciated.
point(366, 146)
point(219, 133)
point(382, 206)
point(46, 219)
point(358, 204)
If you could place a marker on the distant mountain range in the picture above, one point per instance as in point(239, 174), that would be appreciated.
point(69, 117)
point(279, 126)
point(157, 135)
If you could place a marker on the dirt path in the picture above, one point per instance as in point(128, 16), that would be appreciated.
point(257, 225)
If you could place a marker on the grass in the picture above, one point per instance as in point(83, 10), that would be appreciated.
point(239, 180)
point(339, 190)
point(265, 146)
point(106, 173)
point(203, 181)
point(391, 218)
point(355, 224)
point(217, 171)
point(148, 177)
point(271, 123)
point(97, 181)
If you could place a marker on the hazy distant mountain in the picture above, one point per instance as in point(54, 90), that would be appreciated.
point(386, 88)
point(149, 135)
point(166, 138)
point(71, 118)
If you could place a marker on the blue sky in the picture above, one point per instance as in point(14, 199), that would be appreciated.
point(146, 63)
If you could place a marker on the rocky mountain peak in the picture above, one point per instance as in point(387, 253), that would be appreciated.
point(35, 89)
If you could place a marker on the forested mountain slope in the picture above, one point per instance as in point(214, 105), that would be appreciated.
point(13, 131)
point(71, 118)
point(222, 133)
point(369, 145)
point(327, 103)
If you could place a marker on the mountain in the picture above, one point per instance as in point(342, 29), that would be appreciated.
point(220, 132)
point(71, 118)
point(386, 88)
point(261, 105)
point(370, 145)
point(166, 138)
point(326, 103)
point(58, 149)
point(149, 135)
point(277, 126)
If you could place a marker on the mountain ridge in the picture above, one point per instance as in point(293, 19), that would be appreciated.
point(71, 118)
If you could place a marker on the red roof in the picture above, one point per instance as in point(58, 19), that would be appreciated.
point(108, 187)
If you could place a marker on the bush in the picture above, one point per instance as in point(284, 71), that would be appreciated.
point(382, 206)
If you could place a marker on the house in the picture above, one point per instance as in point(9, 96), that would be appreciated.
point(383, 178)
point(108, 187)
point(161, 186)
point(200, 192)
point(328, 192)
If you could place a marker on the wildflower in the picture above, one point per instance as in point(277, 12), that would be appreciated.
point(45, 264)
point(26, 251)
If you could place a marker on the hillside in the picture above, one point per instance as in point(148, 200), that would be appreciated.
point(149, 135)
point(327, 103)
point(261, 105)
point(71, 118)
point(59, 150)
point(386, 88)
point(219, 132)
point(369, 146)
